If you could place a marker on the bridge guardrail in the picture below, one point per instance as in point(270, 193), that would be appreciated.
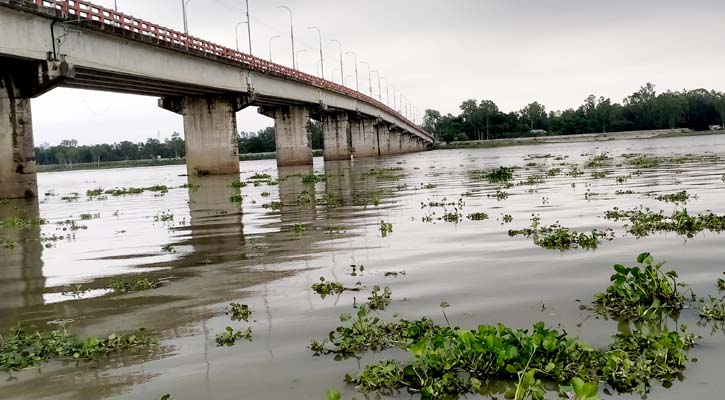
point(85, 11)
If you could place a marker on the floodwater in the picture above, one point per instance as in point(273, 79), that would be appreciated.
point(223, 251)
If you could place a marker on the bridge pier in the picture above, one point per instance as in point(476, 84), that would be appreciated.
point(19, 82)
point(336, 136)
point(292, 134)
point(363, 137)
point(383, 133)
point(210, 132)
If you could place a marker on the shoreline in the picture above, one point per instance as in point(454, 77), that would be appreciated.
point(587, 137)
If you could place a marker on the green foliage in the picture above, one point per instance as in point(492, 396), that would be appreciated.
point(164, 216)
point(714, 310)
point(501, 175)
point(679, 197)
point(333, 394)
point(124, 191)
point(298, 229)
point(229, 337)
point(94, 192)
point(260, 177)
point(239, 312)
point(238, 184)
point(22, 223)
point(274, 205)
point(379, 301)
point(385, 174)
point(644, 222)
point(8, 243)
point(325, 288)
point(477, 216)
point(640, 292)
point(385, 228)
point(556, 237)
point(20, 349)
point(121, 286)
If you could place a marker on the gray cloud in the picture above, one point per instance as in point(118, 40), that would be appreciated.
point(437, 53)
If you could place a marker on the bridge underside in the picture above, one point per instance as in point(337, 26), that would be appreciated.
point(204, 89)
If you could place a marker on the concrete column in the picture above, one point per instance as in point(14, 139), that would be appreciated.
point(210, 132)
point(17, 156)
point(336, 136)
point(384, 139)
point(398, 142)
point(292, 134)
point(363, 137)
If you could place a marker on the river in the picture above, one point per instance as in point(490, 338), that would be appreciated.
point(215, 251)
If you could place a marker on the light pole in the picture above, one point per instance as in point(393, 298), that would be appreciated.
point(370, 79)
point(387, 92)
point(380, 95)
point(342, 70)
point(298, 58)
point(236, 34)
point(185, 3)
point(270, 46)
point(357, 80)
point(291, 34)
point(322, 63)
point(249, 30)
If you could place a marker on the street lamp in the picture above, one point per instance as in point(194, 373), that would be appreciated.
point(298, 58)
point(342, 70)
point(185, 3)
point(370, 79)
point(236, 34)
point(322, 63)
point(357, 80)
point(387, 92)
point(249, 30)
point(380, 96)
point(291, 34)
point(270, 46)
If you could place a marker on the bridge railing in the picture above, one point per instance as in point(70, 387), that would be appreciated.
point(86, 12)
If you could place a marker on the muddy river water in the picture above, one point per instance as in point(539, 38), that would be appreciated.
point(215, 251)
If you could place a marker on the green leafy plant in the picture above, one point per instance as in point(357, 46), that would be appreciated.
point(229, 337)
point(239, 312)
point(378, 300)
point(640, 292)
point(385, 228)
point(477, 216)
point(120, 286)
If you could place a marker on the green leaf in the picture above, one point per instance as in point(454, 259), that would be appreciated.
point(333, 394)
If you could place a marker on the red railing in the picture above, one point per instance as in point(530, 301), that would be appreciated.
point(84, 11)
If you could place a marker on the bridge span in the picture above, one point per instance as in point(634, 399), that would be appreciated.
point(70, 43)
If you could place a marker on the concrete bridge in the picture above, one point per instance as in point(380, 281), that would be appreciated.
point(69, 43)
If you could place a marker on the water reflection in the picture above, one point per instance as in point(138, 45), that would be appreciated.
point(21, 264)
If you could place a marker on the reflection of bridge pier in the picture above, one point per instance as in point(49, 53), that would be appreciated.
point(216, 229)
point(299, 200)
point(339, 178)
point(21, 268)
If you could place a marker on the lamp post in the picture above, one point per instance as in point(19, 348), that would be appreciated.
point(249, 30)
point(357, 80)
point(380, 95)
point(291, 34)
point(387, 92)
point(298, 58)
point(322, 63)
point(270, 46)
point(236, 34)
point(370, 79)
point(185, 3)
point(342, 69)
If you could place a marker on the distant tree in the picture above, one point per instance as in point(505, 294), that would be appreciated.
point(431, 119)
point(534, 113)
point(669, 109)
point(487, 109)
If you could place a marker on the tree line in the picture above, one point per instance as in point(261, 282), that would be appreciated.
point(69, 152)
point(644, 109)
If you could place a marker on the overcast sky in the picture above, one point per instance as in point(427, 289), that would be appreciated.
point(437, 53)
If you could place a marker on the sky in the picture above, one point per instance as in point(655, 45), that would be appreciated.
point(437, 53)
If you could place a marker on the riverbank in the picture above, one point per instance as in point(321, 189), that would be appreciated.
point(149, 163)
point(587, 137)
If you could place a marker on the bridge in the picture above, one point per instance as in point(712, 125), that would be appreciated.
point(70, 43)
